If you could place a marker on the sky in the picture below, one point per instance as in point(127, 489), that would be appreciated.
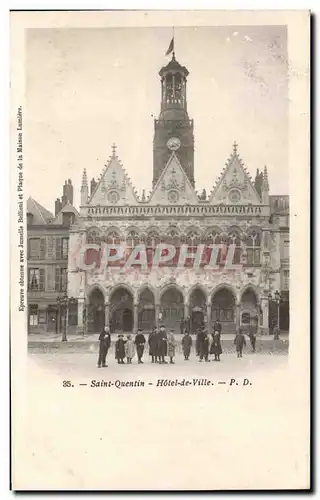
point(87, 88)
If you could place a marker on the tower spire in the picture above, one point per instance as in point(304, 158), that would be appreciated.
point(84, 188)
point(265, 179)
point(114, 150)
point(84, 179)
point(265, 187)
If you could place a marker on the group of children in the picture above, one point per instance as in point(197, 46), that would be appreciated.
point(162, 344)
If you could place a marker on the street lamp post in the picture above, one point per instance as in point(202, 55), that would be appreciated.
point(63, 302)
point(277, 300)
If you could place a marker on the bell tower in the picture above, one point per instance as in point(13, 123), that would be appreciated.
point(173, 131)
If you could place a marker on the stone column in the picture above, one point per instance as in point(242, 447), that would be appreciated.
point(157, 312)
point(237, 316)
point(186, 310)
point(209, 316)
point(135, 318)
point(265, 315)
point(106, 314)
point(259, 317)
point(80, 312)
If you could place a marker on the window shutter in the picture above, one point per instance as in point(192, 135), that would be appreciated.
point(57, 279)
point(42, 248)
point(58, 248)
point(42, 279)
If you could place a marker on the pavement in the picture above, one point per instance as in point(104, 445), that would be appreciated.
point(90, 343)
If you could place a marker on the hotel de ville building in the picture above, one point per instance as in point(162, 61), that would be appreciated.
point(238, 211)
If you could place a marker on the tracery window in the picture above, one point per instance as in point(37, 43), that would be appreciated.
point(93, 237)
point(113, 238)
point(234, 239)
point(132, 239)
point(253, 244)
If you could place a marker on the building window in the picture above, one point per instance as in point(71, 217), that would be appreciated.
point(132, 239)
point(234, 239)
point(62, 248)
point(253, 248)
point(61, 280)
point(73, 314)
point(65, 243)
point(33, 315)
point(34, 248)
point(113, 238)
point(286, 276)
point(36, 279)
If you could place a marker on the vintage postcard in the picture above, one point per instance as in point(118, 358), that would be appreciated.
point(160, 240)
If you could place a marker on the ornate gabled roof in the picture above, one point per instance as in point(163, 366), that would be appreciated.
point(173, 65)
point(173, 186)
point(114, 186)
point(234, 185)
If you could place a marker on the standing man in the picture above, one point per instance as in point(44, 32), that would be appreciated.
point(120, 352)
point(182, 325)
point(102, 350)
point(217, 327)
point(108, 341)
point(276, 332)
point(198, 341)
point(239, 342)
point(162, 346)
point(186, 345)
point(140, 342)
point(153, 345)
point(204, 346)
point(253, 336)
point(104, 344)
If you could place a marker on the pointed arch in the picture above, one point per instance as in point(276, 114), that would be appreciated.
point(96, 286)
point(252, 288)
point(118, 286)
point(169, 286)
point(224, 286)
point(146, 286)
point(197, 286)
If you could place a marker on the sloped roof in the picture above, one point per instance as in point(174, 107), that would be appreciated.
point(66, 209)
point(40, 214)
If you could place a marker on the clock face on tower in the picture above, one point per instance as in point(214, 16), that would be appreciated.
point(173, 143)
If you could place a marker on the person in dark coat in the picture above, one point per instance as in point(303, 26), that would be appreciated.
point(153, 345)
point(204, 346)
point(162, 345)
point(276, 332)
point(120, 350)
point(239, 342)
point(253, 338)
point(217, 327)
point(216, 348)
point(182, 325)
point(108, 338)
point(103, 349)
point(186, 344)
point(140, 342)
point(198, 341)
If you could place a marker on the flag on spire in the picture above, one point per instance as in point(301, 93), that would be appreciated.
point(171, 47)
